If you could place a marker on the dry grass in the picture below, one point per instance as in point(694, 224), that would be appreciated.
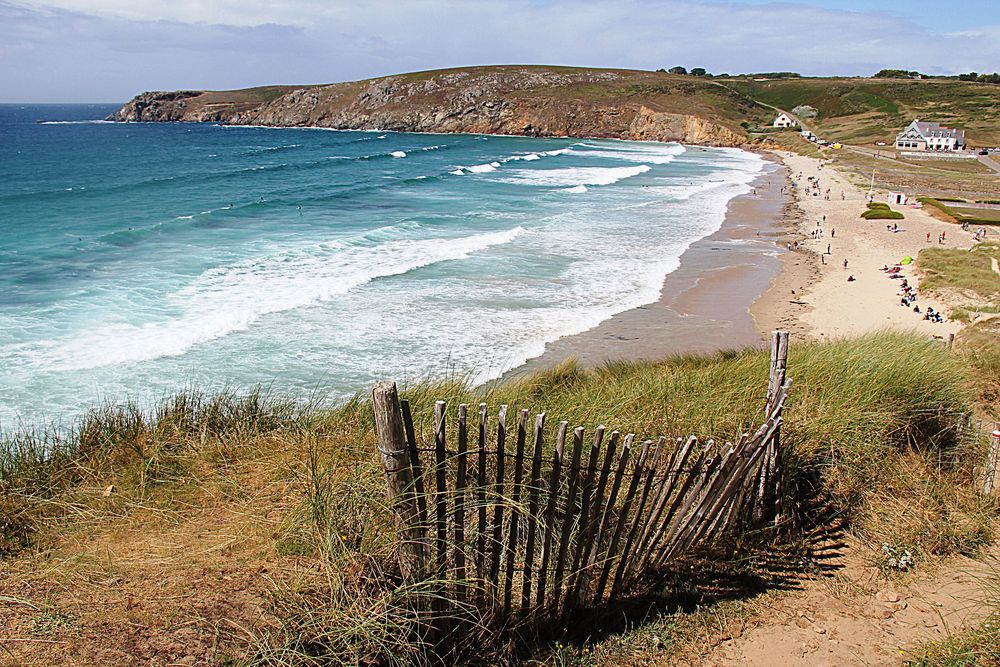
point(255, 530)
point(966, 276)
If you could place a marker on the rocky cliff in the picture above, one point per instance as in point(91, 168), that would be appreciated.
point(522, 100)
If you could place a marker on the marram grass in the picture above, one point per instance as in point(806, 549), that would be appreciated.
point(873, 428)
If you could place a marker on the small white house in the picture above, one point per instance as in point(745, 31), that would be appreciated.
point(898, 198)
point(784, 120)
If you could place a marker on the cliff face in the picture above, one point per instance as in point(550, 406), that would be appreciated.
point(531, 101)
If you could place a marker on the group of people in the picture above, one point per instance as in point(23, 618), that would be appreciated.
point(942, 237)
point(980, 234)
point(908, 296)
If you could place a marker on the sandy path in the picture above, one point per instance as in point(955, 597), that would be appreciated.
point(829, 306)
point(821, 627)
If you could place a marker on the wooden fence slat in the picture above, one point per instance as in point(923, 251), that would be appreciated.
point(593, 538)
point(481, 487)
point(681, 502)
point(673, 474)
point(609, 503)
point(418, 475)
point(391, 443)
point(569, 518)
point(496, 544)
point(515, 511)
point(460, 482)
point(706, 494)
point(622, 520)
point(721, 521)
point(638, 517)
point(715, 497)
point(534, 489)
point(440, 498)
point(714, 504)
point(550, 515)
point(586, 510)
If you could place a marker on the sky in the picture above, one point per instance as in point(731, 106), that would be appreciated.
point(109, 50)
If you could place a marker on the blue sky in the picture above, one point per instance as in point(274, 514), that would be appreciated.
point(108, 50)
point(960, 14)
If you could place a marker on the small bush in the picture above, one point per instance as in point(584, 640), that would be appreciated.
point(882, 214)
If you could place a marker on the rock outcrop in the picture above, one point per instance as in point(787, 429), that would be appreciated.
point(535, 101)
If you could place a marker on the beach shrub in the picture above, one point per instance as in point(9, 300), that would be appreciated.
point(882, 214)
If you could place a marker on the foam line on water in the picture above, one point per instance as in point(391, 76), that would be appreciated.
point(573, 176)
point(232, 298)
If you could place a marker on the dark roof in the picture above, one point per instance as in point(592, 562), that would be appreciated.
point(936, 130)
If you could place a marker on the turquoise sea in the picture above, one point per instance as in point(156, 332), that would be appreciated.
point(138, 260)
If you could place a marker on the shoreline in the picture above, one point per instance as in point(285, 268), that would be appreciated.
point(705, 304)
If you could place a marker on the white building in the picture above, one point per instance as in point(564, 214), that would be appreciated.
point(784, 120)
point(919, 136)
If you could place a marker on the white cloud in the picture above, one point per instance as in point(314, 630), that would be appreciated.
point(64, 44)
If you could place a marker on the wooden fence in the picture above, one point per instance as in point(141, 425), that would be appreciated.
point(497, 520)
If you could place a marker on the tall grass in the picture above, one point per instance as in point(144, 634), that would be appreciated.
point(968, 272)
point(872, 428)
point(132, 450)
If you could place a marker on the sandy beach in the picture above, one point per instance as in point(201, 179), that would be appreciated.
point(812, 295)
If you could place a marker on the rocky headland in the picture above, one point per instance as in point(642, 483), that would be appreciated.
point(520, 100)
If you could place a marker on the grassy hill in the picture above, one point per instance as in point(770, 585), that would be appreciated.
point(869, 110)
point(546, 100)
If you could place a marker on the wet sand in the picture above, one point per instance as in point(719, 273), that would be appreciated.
point(704, 305)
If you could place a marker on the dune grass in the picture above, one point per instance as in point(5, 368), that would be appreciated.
point(969, 273)
point(874, 430)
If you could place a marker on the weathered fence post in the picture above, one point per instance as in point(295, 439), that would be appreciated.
point(992, 460)
point(769, 490)
point(392, 447)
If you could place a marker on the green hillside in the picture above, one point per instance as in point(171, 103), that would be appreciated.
point(870, 110)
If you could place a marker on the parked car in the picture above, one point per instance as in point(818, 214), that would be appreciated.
point(984, 152)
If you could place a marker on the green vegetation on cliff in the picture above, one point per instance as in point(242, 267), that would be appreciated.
point(578, 101)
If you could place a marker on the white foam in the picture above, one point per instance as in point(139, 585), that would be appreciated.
point(457, 172)
point(398, 154)
point(577, 188)
point(655, 154)
point(483, 168)
point(527, 158)
point(573, 176)
point(232, 298)
point(76, 122)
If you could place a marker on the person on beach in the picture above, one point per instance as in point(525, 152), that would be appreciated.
point(828, 249)
point(833, 233)
point(845, 263)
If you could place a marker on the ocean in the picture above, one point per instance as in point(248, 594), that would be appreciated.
point(141, 260)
